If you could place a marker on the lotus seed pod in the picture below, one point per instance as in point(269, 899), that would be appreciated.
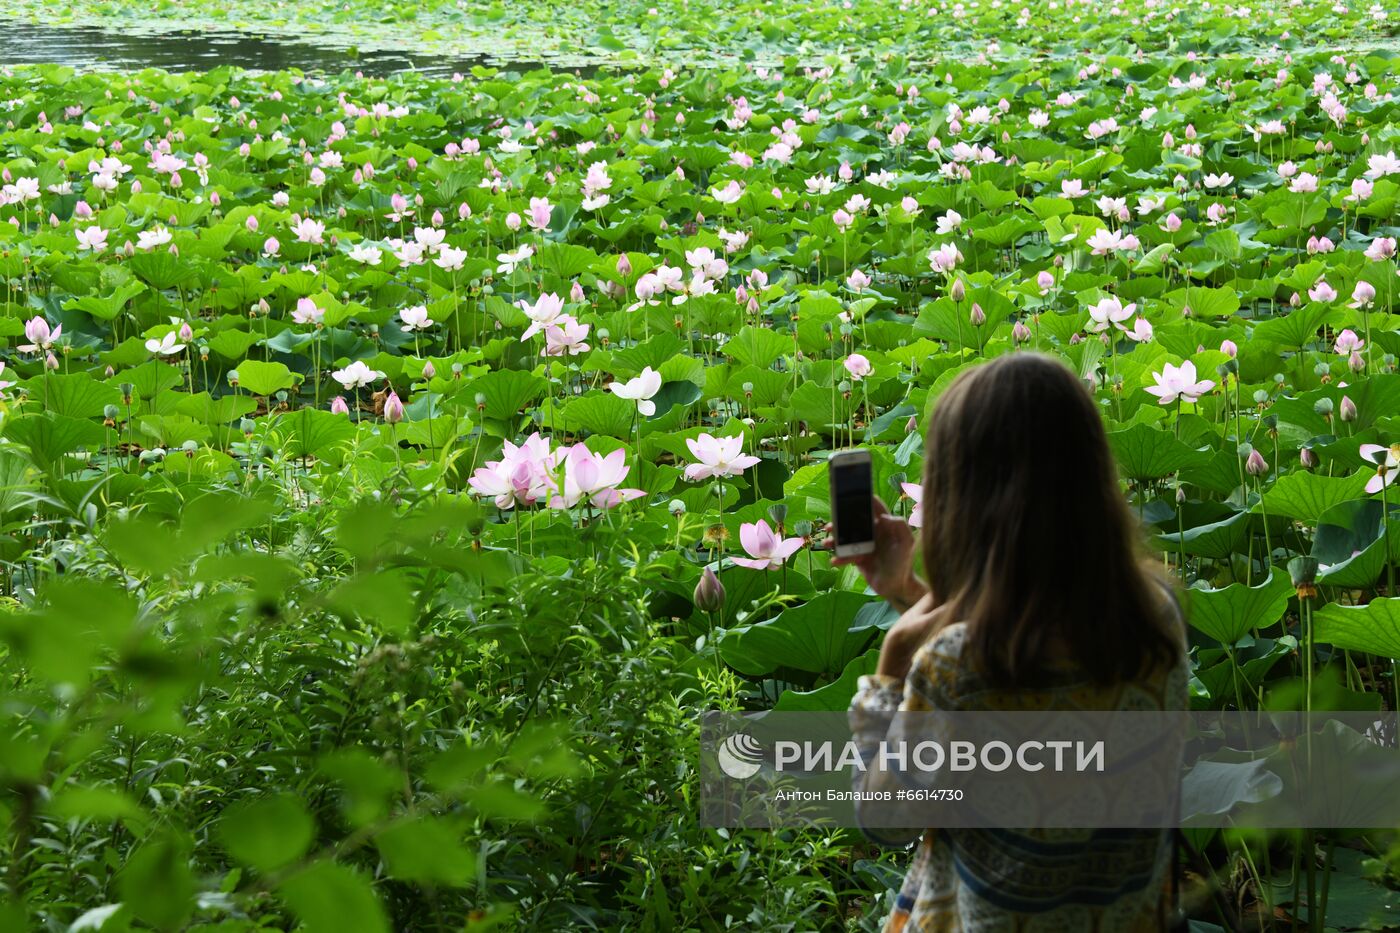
point(778, 512)
point(111, 412)
point(247, 425)
point(676, 507)
point(1323, 407)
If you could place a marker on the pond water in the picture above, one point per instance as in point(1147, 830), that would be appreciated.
point(92, 48)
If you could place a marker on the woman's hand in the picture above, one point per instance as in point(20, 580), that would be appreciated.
point(889, 569)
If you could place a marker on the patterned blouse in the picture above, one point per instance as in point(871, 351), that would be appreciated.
point(1018, 881)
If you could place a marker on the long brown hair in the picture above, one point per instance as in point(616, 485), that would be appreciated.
point(1027, 536)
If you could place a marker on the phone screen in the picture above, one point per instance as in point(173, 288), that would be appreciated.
point(851, 507)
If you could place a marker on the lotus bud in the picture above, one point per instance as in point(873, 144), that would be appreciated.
point(1255, 464)
point(51, 362)
point(624, 266)
point(1044, 280)
point(1355, 362)
point(709, 593)
point(436, 219)
point(576, 292)
point(1076, 338)
point(911, 425)
point(1020, 332)
point(513, 221)
point(338, 406)
point(393, 408)
point(1347, 410)
point(1307, 458)
point(429, 370)
point(958, 291)
point(186, 334)
point(1180, 495)
point(978, 316)
point(1229, 348)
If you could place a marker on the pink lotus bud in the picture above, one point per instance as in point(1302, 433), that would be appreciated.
point(186, 334)
point(1045, 280)
point(1229, 349)
point(512, 221)
point(412, 164)
point(214, 198)
point(429, 370)
point(393, 408)
point(464, 211)
point(1355, 362)
point(1363, 294)
point(1020, 332)
point(576, 292)
point(1256, 465)
point(911, 425)
point(709, 592)
point(82, 209)
point(1347, 409)
point(251, 223)
point(1307, 458)
point(51, 361)
point(437, 218)
point(978, 317)
point(624, 266)
point(958, 292)
point(338, 406)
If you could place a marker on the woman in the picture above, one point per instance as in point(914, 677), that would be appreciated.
point(1036, 597)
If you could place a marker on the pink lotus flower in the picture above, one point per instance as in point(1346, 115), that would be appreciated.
point(547, 311)
point(1322, 292)
point(718, 456)
point(1179, 382)
point(1108, 312)
point(565, 338)
point(1347, 342)
point(591, 476)
point(857, 281)
point(308, 230)
point(36, 331)
point(1382, 247)
point(1387, 461)
point(522, 475)
point(1363, 294)
point(307, 312)
point(916, 493)
point(766, 550)
point(540, 210)
point(640, 389)
point(858, 366)
point(93, 238)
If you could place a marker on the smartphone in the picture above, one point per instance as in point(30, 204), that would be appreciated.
point(852, 508)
